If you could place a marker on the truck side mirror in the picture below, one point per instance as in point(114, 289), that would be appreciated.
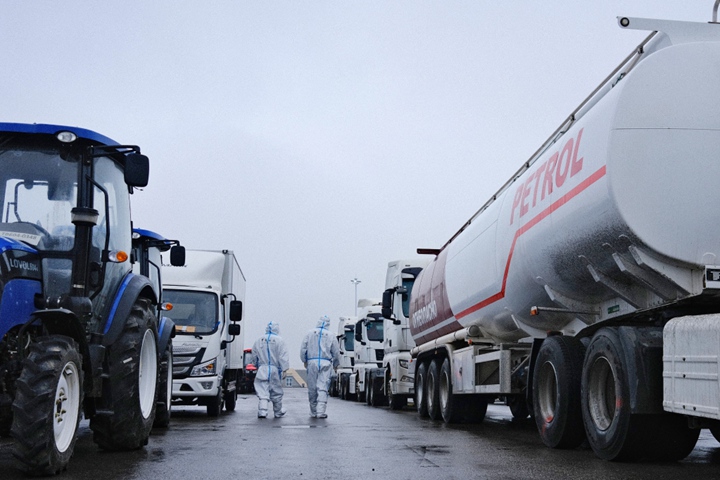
point(236, 310)
point(177, 256)
point(386, 310)
point(137, 170)
point(234, 329)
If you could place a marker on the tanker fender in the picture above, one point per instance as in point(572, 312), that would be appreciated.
point(642, 349)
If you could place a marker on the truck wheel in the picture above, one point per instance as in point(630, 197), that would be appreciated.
point(450, 404)
point(474, 408)
point(47, 406)
point(133, 372)
point(165, 384)
point(369, 390)
point(433, 391)
point(359, 396)
point(421, 390)
point(612, 431)
point(231, 400)
point(715, 430)
point(215, 404)
point(6, 419)
point(343, 388)
point(556, 392)
point(518, 407)
point(396, 402)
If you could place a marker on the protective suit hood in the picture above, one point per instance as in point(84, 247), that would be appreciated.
point(273, 327)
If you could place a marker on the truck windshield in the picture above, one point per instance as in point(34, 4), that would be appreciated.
point(194, 313)
point(375, 330)
point(349, 340)
point(38, 190)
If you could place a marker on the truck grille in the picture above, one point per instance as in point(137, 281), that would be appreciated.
point(379, 354)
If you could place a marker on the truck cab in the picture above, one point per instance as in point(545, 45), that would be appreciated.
point(368, 349)
point(206, 297)
point(398, 384)
point(346, 342)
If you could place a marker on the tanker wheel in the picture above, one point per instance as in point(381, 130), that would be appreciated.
point(421, 390)
point(451, 405)
point(556, 392)
point(165, 384)
point(433, 391)
point(6, 418)
point(47, 406)
point(396, 402)
point(715, 430)
point(518, 407)
point(133, 373)
point(474, 408)
point(612, 431)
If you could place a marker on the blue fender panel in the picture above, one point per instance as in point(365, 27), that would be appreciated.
point(166, 331)
point(125, 298)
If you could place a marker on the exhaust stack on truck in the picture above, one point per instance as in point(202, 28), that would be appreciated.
point(585, 288)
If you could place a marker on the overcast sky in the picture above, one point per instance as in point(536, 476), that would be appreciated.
point(317, 139)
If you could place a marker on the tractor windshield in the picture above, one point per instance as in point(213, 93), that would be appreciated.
point(39, 190)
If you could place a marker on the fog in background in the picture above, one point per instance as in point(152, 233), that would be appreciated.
point(318, 140)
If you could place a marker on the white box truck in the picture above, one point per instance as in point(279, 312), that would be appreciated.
point(346, 341)
point(205, 298)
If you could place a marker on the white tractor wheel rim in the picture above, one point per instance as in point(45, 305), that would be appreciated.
point(67, 407)
point(147, 377)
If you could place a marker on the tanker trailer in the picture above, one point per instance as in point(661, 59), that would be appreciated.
point(587, 289)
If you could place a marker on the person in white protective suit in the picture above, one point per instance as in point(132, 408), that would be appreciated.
point(321, 355)
point(272, 360)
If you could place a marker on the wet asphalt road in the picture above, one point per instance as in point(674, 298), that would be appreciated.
point(354, 442)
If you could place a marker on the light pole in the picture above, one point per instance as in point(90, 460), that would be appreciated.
point(355, 281)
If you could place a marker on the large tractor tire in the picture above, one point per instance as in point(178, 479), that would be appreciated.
point(133, 373)
point(47, 406)
point(164, 388)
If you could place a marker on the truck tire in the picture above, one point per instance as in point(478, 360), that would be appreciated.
point(433, 391)
point(377, 386)
point(231, 400)
point(369, 391)
point(164, 388)
point(47, 406)
point(421, 390)
point(132, 384)
point(612, 431)
point(556, 392)
point(343, 388)
point(359, 396)
point(474, 408)
point(396, 402)
point(215, 404)
point(451, 405)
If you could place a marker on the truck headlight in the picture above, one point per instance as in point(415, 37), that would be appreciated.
point(204, 369)
point(403, 363)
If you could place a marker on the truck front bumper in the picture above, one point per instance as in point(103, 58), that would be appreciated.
point(196, 387)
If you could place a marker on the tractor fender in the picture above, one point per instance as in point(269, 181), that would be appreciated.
point(132, 287)
point(166, 331)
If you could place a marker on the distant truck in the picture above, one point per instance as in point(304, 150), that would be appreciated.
point(346, 342)
point(588, 287)
point(148, 248)
point(207, 297)
point(368, 352)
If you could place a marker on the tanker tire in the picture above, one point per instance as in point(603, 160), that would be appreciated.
point(433, 391)
point(47, 406)
point(612, 431)
point(474, 408)
point(556, 392)
point(395, 402)
point(519, 408)
point(132, 384)
point(6, 419)
point(421, 390)
point(715, 430)
point(451, 405)
point(164, 388)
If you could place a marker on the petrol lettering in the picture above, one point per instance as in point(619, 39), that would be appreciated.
point(550, 175)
